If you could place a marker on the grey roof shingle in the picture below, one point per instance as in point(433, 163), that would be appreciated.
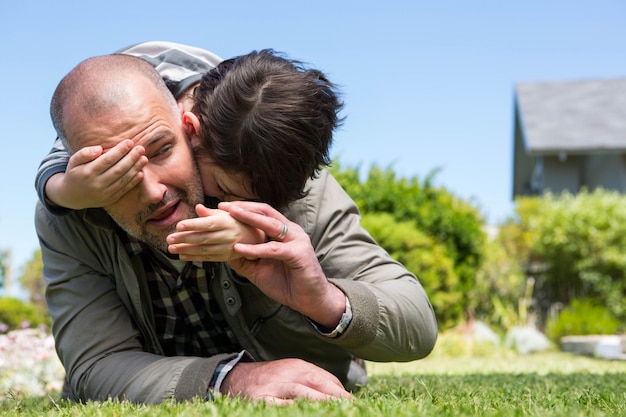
point(573, 116)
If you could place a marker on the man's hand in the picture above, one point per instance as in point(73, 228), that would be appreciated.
point(282, 381)
point(287, 270)
point(94, 178)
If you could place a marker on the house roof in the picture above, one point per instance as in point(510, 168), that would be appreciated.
point(572, 116)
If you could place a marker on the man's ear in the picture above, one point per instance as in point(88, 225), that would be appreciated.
point(191, 124)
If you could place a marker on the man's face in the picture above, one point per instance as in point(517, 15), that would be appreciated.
point(171, 185)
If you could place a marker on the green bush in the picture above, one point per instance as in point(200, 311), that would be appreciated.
point(582, 317)
point(583, 241)
point(438, 236)
point(15, 314)
point(500, 294)
point(574, 246)
point(422, 256)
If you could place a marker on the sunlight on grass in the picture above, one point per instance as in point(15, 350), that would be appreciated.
point(454, 355)
point(504, 362)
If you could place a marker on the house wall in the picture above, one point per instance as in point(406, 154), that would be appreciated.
point(606, 171)
point(523, 163)
point(561, 174)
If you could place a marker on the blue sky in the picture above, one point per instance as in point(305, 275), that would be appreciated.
point(427, 85)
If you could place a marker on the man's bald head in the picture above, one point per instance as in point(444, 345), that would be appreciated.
point(100, 86)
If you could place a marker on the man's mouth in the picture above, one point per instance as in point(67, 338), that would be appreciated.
point(166, 215)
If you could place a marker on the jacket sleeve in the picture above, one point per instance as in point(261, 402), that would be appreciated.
point(393, 319)
point(55, 162)
point(180, 66)
point(96, 339)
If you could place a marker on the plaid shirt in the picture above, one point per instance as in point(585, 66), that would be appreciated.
point(187, 318)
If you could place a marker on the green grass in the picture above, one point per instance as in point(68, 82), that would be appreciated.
point(503, 384)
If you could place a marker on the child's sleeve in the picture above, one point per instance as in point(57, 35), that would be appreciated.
point(55, 162)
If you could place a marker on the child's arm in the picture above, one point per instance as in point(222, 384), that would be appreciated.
point(94, 178)
point(54, 163)
point(211, 236)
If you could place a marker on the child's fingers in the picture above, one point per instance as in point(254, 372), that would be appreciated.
point(84, 156)
point(205, 231)
point(123, 173)
point(114, 155)
point(208, 220)
point(129, 181)
point(129, 156)
point(127, 173)
point(260, 216)
point(118, 160)
point(190, 252)
point(202, 210)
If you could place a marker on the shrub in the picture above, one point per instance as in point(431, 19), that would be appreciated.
point(582, 241)
point(582, 317)
point(499, 294)
point(16, 314)
point(443, 242)
point(573, 245)
point(422, 256)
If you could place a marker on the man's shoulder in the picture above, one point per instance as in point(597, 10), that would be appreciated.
point(97, 218)
point(324, 195)
point(75, 228)
point(325, 189)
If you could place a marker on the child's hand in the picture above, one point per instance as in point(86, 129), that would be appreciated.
point(97, 179)
point(211, 236)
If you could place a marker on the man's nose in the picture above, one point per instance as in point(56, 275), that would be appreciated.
point(152, 187)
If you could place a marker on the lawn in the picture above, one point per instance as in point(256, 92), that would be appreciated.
point(500, 384)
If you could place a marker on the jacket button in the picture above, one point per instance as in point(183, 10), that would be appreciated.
point(230, 301)
point(226, 284)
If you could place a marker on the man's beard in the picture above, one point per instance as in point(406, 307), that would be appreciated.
point(137, 228)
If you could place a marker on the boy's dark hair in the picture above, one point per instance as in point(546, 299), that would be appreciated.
point(269, 118)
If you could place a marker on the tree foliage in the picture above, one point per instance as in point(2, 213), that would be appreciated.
point(16, 314)
point(499, 295)
point(437, 235)
point(5, 267)
point(32, 281)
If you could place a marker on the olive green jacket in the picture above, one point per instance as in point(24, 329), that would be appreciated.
point(104, 329)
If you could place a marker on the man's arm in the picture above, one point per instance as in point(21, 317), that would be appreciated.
point(388, 302)
point(392, 319)
point(90, 297)
point(97, 340)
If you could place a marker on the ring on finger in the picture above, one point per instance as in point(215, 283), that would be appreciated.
point(282, 233)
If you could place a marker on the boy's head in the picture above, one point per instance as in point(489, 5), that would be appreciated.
point(267, 120)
